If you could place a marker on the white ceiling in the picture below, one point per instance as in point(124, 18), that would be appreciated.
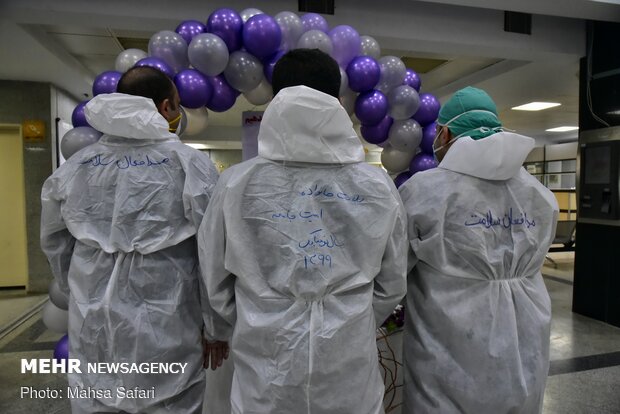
point(68, 43)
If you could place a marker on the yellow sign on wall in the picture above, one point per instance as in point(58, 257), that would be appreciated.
point(33, 130)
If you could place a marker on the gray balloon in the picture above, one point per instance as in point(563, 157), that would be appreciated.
point(55, 319)
point(247, 13)
point(292, 28)
point(393, 71)
point(405, 136)
point(208, 53)
point(347, 100)
point(57, 296)
point(244, 71)
point(261, 94)
point(370, 47)
point(171, 48)
point(315, 39)
point(403, 102)
point(128, 58)
point(77, 138)
point(394, 160)
point(344, 82)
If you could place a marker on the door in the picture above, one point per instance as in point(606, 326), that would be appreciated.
point(13, 248)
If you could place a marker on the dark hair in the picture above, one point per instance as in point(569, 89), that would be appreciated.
point(148, 82)
point(309, 67)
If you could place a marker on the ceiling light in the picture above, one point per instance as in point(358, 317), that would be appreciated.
point(616, 112)
point(562, 129)
point(196, 146)
point(536, 106)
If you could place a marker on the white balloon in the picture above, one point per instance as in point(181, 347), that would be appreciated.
point(261, 94)
point(315, 39)
point(247, 13)
point(395, 161)
point(128, 58)
point(405, 136)
point(370, 47)
point(347, 100)
point(292, 28)
point(55, 319)
point(344, 81)
point(403, 102)
point(393, 71)
point(171, 48)
point(57, 296)
point(197, 120)
point(208, 53)
point(77, 138)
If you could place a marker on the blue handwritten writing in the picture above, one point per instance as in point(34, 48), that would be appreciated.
point(318, 260)
point(319, 240)
point(506, 222)
point(306, 215)
point(125, 162)
point(315, 191)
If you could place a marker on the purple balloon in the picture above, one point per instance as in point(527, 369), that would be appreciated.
point(377, 134)
point(262, 35)
point(412, 79)
point(313, 21)
point(401, 178)
point(106, 82)
point(156, 63)
point(227, 24)
point(428, 110)
point(270, 63)
point(61, 350)
point(194, 89)
point(371, 107)
point(190, 28)
point(422, 162)
point(428, 136)
point(363, 73)
point(346, 44)
point(223, 97)
point(77, 117)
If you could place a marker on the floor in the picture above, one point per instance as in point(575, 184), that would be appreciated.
point(584, 376)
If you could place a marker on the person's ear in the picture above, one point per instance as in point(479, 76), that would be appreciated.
point(165, 108)
point(446, 136)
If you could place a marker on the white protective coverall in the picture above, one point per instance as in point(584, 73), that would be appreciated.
point(118, 226)
point(478, 313)
point(303, 250)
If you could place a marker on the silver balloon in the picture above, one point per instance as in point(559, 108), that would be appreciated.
point(393, 71)
point(208, 53)
point(344, 82)
point(315, 39)
point(403, 102)
point(247, 13)
point(171, 48)
point(370, 47)
point(244, 71)
point(405, 136)
point(261, 94)
point(55, 319)
point(292, 29)
point(347, 100)
point(77, 138)
point(394, 160)
point(127, 58)
point(197, 120)
point(57, 296)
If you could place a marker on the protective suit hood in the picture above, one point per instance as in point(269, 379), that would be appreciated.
point(127, 116)
point(497, 157)
point(306, 125)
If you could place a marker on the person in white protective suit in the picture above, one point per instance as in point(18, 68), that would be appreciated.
point(303, 250)
point(478, 314)
point(118, 226)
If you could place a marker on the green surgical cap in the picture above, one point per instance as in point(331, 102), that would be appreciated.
point(470, 112)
